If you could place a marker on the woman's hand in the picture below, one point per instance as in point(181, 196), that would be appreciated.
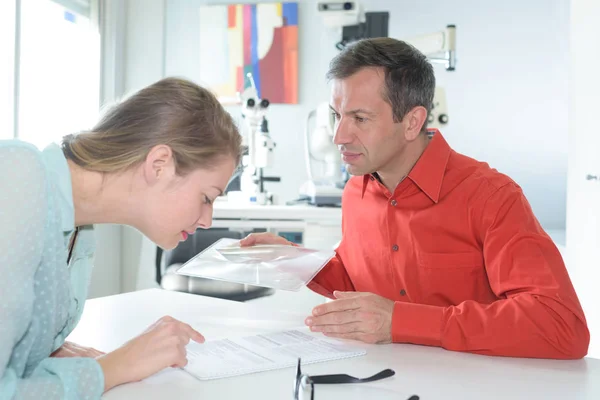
point(162, 345)
point(70, 349)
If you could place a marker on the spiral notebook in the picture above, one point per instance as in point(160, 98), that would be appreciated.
point(239, 356)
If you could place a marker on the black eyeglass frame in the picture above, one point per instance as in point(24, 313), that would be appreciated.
point(298, 383)
point(331, 379)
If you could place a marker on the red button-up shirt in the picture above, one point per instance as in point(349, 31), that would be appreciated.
point(457, 247)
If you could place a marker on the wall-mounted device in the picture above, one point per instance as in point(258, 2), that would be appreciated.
point(439, 47)
point(438, 116)
point(336, 14)
point(375, 25)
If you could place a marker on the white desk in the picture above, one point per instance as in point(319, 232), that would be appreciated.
point(431, 373)
point(321, 226)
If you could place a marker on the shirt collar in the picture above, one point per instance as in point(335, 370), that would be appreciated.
point(60, 178)
point(428, 172)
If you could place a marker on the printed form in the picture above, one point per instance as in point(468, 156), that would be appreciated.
point(231, 357)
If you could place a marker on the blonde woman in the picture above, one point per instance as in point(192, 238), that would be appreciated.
point(156, 162)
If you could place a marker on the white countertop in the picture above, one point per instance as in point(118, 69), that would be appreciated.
point(431, 373)
point(224, 210)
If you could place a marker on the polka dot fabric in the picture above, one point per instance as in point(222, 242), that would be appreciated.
point(41, 297)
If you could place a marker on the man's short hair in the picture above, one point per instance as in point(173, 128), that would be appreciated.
point(409, 77)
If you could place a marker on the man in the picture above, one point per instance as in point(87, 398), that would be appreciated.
point(437, 249)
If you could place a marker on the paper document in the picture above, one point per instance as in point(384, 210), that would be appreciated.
point(231, 357)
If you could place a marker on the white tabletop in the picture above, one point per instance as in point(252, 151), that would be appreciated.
point(431, 373)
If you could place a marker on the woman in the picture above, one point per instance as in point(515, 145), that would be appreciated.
point(156, 162)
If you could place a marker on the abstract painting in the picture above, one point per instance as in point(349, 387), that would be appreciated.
point(258, 38)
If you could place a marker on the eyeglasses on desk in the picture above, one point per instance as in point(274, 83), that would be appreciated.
point(304, 385)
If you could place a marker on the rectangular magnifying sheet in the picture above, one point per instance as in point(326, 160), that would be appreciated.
point(274, 266)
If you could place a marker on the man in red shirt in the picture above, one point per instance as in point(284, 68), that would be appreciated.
point(437, 248)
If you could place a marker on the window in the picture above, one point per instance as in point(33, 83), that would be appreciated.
point(7, 67)
point(59, 67)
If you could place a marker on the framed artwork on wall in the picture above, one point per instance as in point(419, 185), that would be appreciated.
point(258, 38)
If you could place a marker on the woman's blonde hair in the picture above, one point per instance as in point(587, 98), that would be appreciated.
point(174, 112)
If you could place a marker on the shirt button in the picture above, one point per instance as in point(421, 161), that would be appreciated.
point(395, 247)
point(394, 203)
point(403, 292)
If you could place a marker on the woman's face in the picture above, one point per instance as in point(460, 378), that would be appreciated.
point(178, 205)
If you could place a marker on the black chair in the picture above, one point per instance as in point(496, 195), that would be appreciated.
point(186, 250)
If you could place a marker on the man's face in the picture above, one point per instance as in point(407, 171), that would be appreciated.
point(365, 132)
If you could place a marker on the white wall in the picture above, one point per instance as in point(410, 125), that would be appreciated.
point(7, 68)
point(507, 99)
point(106, 276)
point(132, 49)
point(144, 57)
point(583, 212)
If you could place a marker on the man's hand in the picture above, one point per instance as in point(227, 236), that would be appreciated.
point(70, 349)
point(264, 238)
point(354, 315)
